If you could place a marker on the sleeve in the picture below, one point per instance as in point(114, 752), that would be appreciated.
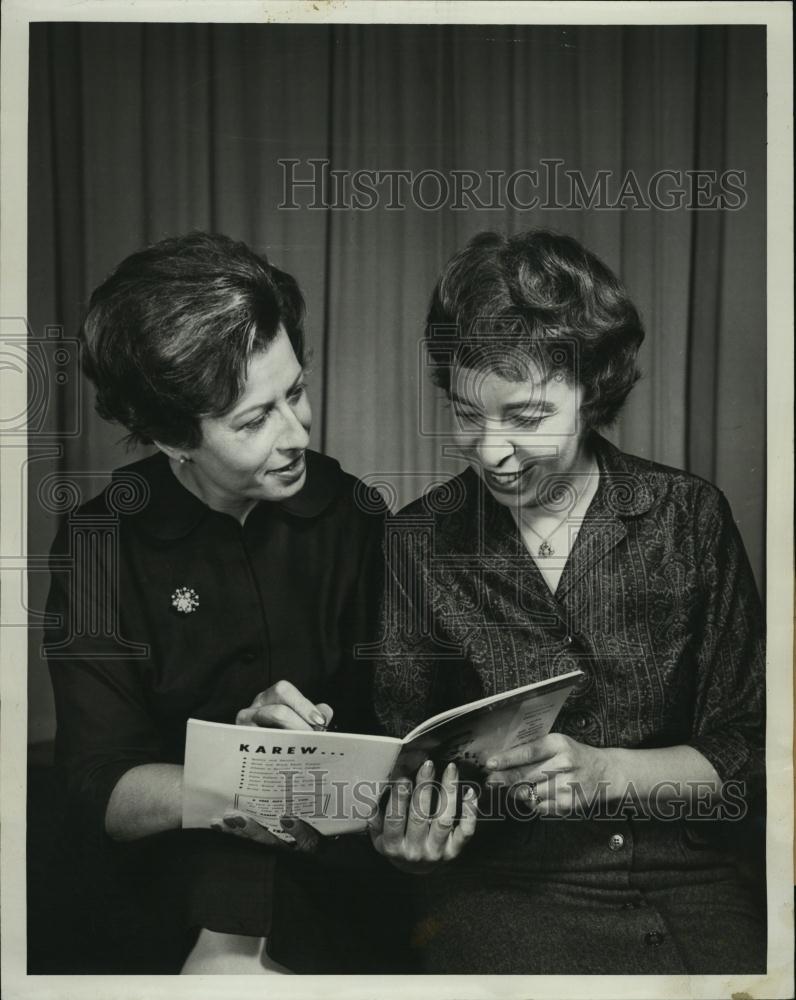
point(351, 691)
point(405, 668)
point(104, 726)
point(323, 903)
point(729, 716)
point(128, 909)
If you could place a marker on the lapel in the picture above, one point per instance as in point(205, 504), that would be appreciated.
point(600, 532)
point(624, 492)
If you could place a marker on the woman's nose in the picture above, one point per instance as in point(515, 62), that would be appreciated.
point(492, 448)
point(295, 435)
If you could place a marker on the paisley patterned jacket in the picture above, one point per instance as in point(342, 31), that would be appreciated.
point(656, 604)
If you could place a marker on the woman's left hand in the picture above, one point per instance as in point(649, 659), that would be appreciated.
point(555, 775)
point(415, 836)
point(297, 835)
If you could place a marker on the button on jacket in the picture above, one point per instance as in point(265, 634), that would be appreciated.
point(658, 607)
point(167, 610)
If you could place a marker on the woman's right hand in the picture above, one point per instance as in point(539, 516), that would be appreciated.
point(409, 835)
point(283, 706)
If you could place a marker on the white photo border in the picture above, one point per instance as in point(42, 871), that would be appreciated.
point(778, 982)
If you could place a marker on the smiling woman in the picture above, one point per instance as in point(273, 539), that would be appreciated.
point(609, 845)
point(256, 451)
point(236, 590)
point(522, 436)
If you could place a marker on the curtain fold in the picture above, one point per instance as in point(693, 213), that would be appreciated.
point(138, 131)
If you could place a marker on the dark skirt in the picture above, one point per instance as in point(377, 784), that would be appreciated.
point(343, 911)
point(592, 897)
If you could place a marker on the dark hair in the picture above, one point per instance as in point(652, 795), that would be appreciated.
point(168, 336)
point(536, 294)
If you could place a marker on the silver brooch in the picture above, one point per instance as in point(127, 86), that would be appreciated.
point(185, 600)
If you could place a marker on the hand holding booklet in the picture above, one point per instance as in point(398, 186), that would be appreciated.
point(332, 780)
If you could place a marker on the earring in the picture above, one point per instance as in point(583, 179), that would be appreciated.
point(183, 459)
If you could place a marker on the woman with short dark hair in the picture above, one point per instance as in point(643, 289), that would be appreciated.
point(169, 334)
point(604, 847)
point(539, 288)
point(233, 584)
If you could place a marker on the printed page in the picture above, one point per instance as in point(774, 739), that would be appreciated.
point(493, 701)
point(470, 738)
point(330, 780)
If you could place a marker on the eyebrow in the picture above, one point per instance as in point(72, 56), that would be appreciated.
point(267, 407)
point(540, 406)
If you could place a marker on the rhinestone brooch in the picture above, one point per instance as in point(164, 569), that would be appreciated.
point(185, 600)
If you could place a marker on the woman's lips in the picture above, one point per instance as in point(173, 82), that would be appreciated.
point(292, 471)
point(507, 482)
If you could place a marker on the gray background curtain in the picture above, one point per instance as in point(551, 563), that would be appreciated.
point(138, 131)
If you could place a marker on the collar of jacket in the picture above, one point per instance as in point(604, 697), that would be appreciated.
point(627, 489)
point(172, 511)
point(627, 486)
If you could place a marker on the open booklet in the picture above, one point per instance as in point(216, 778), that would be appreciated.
point(333, 780)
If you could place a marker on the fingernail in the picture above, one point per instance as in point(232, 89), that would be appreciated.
point(318, 719)
point(230, 821)
point(469, 793)
point(450, 770)
point(492, 763)
point(428, 767)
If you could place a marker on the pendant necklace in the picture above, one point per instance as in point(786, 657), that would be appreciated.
point(546, 549)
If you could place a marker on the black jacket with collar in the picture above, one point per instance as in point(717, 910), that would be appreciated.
point(286, 595)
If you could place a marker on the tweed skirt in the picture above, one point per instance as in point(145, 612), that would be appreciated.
point(592, 897)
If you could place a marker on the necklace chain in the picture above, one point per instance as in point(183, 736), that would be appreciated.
point(546, 549)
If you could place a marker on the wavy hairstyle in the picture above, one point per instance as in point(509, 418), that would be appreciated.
point(539, 295)
point(168, 335)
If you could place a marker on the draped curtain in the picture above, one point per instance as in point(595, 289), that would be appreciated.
point(138, 131)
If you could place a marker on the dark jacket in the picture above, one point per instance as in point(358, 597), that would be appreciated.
point(287, 595)
point(658, 607)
